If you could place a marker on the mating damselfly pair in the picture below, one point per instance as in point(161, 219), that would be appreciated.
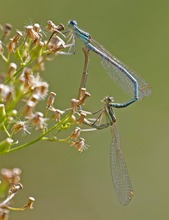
point(131, 83)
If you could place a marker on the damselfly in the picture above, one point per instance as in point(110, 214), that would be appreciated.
point(124, 77)
point(120, 176)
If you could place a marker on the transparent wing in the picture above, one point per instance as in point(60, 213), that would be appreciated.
point(121, 179)
point(119, 77)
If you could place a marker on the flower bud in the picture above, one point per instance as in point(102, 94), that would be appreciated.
point(76, 133)
point(17, 37)
point(36, 27)
point(2, 113)
point(30, 202)
point(81, 118)
point(80, 145)
point(57, 114)
point(51, 99)
point(5, 145)
point(31, 33)
point(74, 104)
point(83, 99)
point(12, 69)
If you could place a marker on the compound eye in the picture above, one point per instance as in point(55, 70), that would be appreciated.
point(110, 99)
point(72, 23)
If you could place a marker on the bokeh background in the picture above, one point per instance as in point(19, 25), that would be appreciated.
point(69, 185)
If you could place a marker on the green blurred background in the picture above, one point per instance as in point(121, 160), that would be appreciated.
point(69, 185)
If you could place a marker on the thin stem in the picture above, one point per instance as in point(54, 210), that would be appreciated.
point(6, 131)
point(86, 52)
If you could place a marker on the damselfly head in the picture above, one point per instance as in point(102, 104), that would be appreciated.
point(72, 23)
point(108, 99)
